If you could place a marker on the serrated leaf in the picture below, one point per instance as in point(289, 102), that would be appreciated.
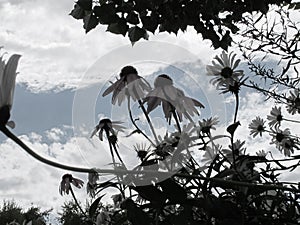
point(77, 12)
point(136, 33)
point(89, 22)
point(94, 206)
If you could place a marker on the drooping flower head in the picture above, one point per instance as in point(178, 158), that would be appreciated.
point(7, 87)
point(65, 184)
point(171, 98)
point(130, 85)
point(110, 127)
point(223, 69)
point(93, 177)
point(206, 125)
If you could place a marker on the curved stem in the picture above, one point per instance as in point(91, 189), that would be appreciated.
point(176, 120)
point(76, 202)
point(148, 120)
point(40, 158)
point(289, 120)
point(236, 107)
point(148, 172)
point(134, 124)
point(110, 148)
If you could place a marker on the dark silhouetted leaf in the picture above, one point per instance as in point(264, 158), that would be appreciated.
point(119, 27)
point(85, 4)
point(231, 128)
point(150, 23)
point(106, 13)
point(136, 33)
point(94, 206)
point(151, 193)
point(89, 22)
point(135, 214)
point(133, 18)
point(78, 13)
point(173, 191)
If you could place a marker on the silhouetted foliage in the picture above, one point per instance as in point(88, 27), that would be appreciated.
point(11, 212)
point(214, 20)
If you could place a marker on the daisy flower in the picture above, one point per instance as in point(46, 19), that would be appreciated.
point(293, 105)
point(257, 126)
point(206, 125)
point(130, 84)
point(284, 143)
point(237, 149)
point(110, 127)
point(141, 150)
point(223, 69)
point(65, 184)
point(93, 177)
point(7, 87)
point(171, 98)
point(275, 117)
point(262, 153)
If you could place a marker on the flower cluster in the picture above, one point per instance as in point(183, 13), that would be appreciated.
point(164, 93)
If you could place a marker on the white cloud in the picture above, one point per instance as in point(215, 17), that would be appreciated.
point(57, 52)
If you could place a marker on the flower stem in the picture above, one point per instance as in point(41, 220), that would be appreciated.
point(148, 172)
point(135, 125)
point(148, 120)
point(76, 202)
point(176, 120)
point(236, 107)
point(289, 120)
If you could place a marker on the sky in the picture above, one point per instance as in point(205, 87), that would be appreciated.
point(62, 74)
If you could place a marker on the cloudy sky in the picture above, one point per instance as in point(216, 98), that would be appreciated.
point(63, 72)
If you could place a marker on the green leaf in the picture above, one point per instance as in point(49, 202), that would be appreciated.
point(120, 27)
point(89, 22)
point(94, 206)
point(77, 12)
point(136, 33)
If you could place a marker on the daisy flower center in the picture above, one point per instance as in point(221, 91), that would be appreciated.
point(260, 128)
point(279, 118)
point(226, 72)
point(297, 102)
point(279, 137)
point(163, 80)
point(127, 70)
